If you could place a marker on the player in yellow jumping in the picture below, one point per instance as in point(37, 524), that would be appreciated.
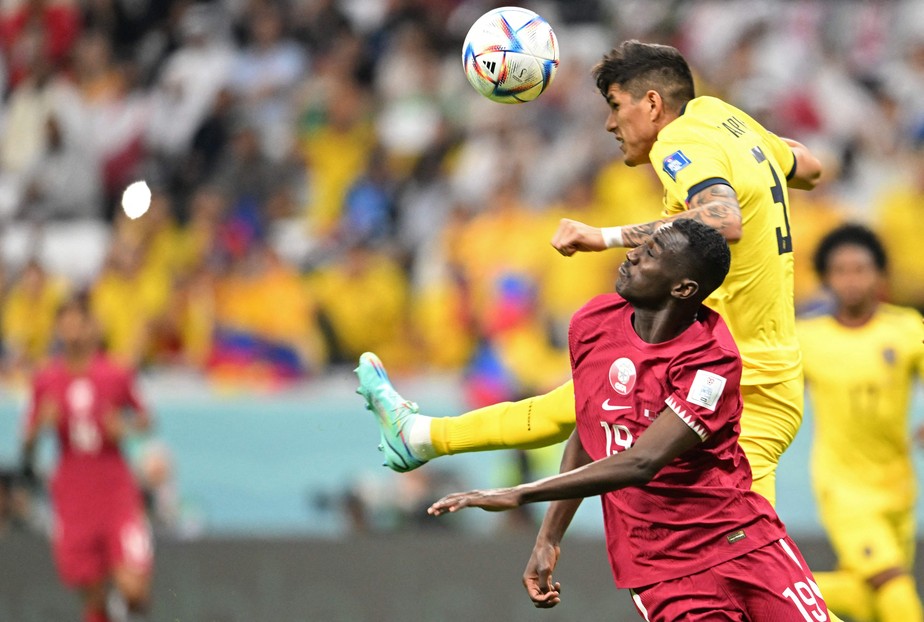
point(861, 360)
point(718, 166)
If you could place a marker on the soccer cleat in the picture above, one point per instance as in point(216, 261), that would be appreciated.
point(394, 414)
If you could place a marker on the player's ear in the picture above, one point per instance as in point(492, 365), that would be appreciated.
point(655, 103)
point(685, 289)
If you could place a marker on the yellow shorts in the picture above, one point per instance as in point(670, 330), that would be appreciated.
point(869, 542)
point(771, 417)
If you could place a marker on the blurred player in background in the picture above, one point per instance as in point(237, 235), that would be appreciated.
point(717, 166)
point(861, 360)
point(99, 533)
point(657, 381)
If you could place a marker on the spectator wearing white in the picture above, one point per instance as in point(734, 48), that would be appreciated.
point(264, 75)
point(190, 80)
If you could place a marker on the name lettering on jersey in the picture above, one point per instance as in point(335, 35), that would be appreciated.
point(706, 389)
point(674, 163)
point(735, 125)
point(622, 375)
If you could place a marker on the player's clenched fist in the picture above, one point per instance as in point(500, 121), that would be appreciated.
point(573, 236)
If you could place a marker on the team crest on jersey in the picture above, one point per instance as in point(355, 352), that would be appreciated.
point(622, 375)
point(706, 389)
point(888, 355)
point(674, 163)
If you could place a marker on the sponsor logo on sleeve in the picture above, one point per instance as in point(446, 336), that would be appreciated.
point(706, 389)
point(674, 163)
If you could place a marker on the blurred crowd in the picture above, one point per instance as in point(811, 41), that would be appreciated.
point(325, 182)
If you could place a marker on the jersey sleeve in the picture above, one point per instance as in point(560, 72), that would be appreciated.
point(688, 165)
point(780, 152)
point(705, 390)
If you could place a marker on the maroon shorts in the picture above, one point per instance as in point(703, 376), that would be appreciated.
point(87, 551)
point(770, 584)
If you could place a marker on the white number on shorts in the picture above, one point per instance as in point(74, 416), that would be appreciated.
point(618, 435)
point(806, 599)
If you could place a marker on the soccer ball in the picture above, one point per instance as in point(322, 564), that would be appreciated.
point(510, 55)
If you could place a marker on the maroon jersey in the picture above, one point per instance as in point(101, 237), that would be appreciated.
point(91, 472)
point(698, 511)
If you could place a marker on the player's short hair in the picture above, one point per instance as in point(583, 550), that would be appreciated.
point(850, 234)
point(708, 254)
point(638, 67)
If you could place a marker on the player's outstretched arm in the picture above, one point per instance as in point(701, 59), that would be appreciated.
point(808, 167)
point(716, 206)
point(665, 439)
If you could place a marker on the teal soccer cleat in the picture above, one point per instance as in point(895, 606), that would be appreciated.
point(393, 413)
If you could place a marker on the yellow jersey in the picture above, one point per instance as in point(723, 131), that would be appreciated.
point(713, 142)
point(860, 383)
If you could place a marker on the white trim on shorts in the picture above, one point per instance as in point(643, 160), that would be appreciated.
point(638, 603)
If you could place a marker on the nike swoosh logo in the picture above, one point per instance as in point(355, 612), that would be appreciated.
point(607, 406)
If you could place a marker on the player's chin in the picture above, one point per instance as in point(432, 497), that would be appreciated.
point(622, 281)
point(629, 157)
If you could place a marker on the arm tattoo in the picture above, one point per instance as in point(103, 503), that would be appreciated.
point(716, 206)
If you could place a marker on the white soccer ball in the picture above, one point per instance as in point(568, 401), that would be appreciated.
point(510, 55)
point(136, 199)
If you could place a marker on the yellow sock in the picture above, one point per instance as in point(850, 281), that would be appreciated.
point(527, 424)
point(897, 600)
point(846, 593)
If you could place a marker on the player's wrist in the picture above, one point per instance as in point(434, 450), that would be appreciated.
point(549, 537)
point(612, 237)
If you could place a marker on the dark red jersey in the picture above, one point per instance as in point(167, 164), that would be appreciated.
point(91, 469)
point(698, 511)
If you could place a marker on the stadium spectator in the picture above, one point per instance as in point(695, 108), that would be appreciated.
point(335, 141)
point(29, 310)
point(37, 29)
point(128, 299)
point(264, 74)
point(65, 181)
point(189, 80)
point(255, 182)
point(265, 327)
point(362, 299)
point(25, 131)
